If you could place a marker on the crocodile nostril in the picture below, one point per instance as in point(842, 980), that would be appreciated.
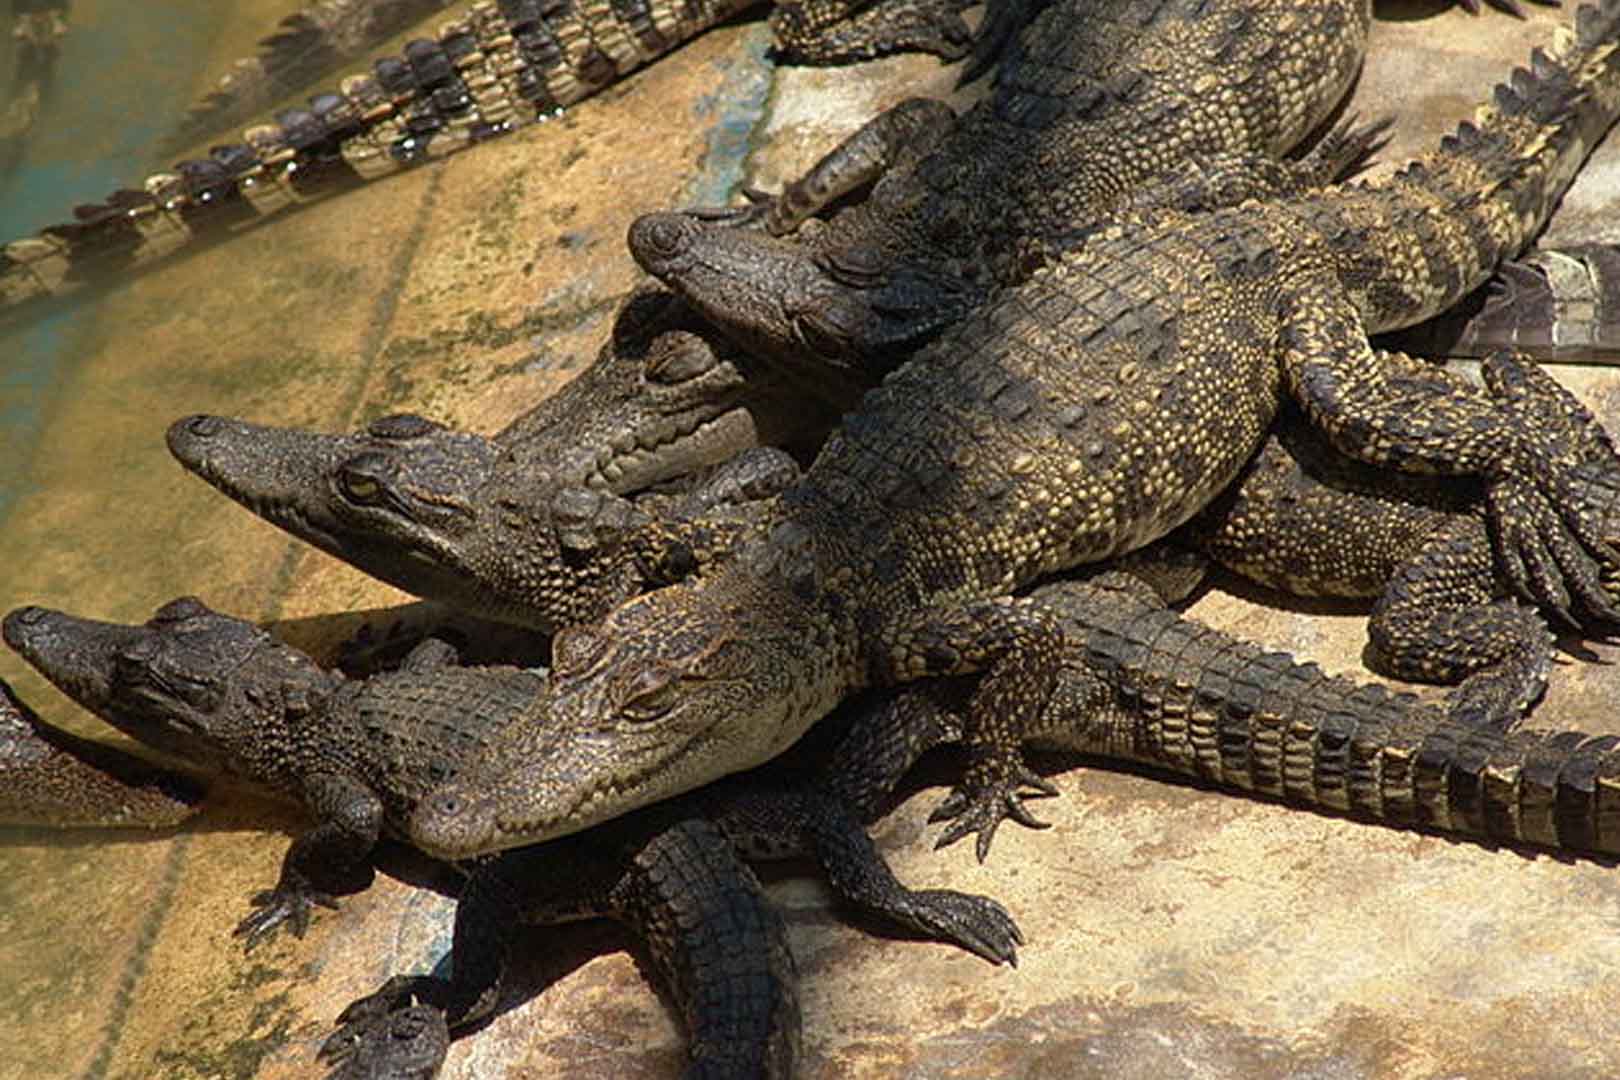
point(16, 626)
point(658, 238)
point(202, 425)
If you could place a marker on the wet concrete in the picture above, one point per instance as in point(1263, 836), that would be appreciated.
point(1172, 931)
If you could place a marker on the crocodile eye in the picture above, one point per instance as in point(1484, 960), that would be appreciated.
point(401, 426)
point(859, 267)
point(179, 610)
point(651, 693)
point(358, 482)
point(822, 337)
point(575, 648)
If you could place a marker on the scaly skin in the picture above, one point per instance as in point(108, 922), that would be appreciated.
point(529, 526)
point(442, 514)
point(1082, 415)
point(1143, 684)
point(1557, 303)
point(52, 778)
point(1094, 102)
point(491, 67)
point(305, 46)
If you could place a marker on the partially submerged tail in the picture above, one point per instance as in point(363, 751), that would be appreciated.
point(307, 45)
point(502, 66)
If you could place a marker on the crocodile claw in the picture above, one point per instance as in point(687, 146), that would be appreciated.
point(277, 906)
point(980, 802)
point(388, 1034)
point(1554, 511)
point(975, 923)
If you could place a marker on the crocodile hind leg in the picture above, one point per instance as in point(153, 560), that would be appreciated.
point(1549, 510)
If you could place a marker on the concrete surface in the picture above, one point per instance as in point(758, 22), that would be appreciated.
point(1172, 931)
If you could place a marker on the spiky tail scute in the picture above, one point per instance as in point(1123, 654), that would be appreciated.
point(306, 45)
point(1435, 230)
point(503, 66)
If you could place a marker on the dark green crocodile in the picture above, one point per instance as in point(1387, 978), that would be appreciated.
point(491, 67)
point(225, 696)
point(1084, 414)
point(53, 778)
point(519, 527)
point(1093, 103)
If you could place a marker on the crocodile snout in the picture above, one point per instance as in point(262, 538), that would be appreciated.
point(659, 241)
point(188, 437)
point(17, 623)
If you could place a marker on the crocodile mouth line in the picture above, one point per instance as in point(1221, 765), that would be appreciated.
point(711, 429)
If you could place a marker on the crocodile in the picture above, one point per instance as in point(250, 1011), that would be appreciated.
point(1143, 684)
point(1081, 415)
point(492, 68)
point(55, 778)
point(305, 46)
point(1092, 103)
point(519, 528)
point(225, 696)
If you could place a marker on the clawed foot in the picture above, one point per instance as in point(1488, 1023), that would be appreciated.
point(277, 906)
point(1555, 512)
point(976, 923)
point(992, 790)
point(388, 1034)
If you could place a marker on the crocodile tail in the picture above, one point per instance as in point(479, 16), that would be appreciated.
point(1551, 304)
point(1437, 228)
point(307, 45)
point(503, 66)
point(1196, 701)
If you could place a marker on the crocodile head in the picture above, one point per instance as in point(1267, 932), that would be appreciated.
point(845, 308)
point(442, 514)
point(209, 689)
point(665, 397)
point(672, 690)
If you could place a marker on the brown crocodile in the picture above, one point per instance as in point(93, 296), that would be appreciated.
point(1083, 414)
point(50, 777)
point(496, 66)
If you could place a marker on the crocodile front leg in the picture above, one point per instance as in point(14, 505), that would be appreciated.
point(351, 822)
point(1018, 652)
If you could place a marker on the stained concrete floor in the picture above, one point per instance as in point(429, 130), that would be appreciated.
point(1172, 931)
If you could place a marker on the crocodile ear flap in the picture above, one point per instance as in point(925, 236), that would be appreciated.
point(575, 649)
